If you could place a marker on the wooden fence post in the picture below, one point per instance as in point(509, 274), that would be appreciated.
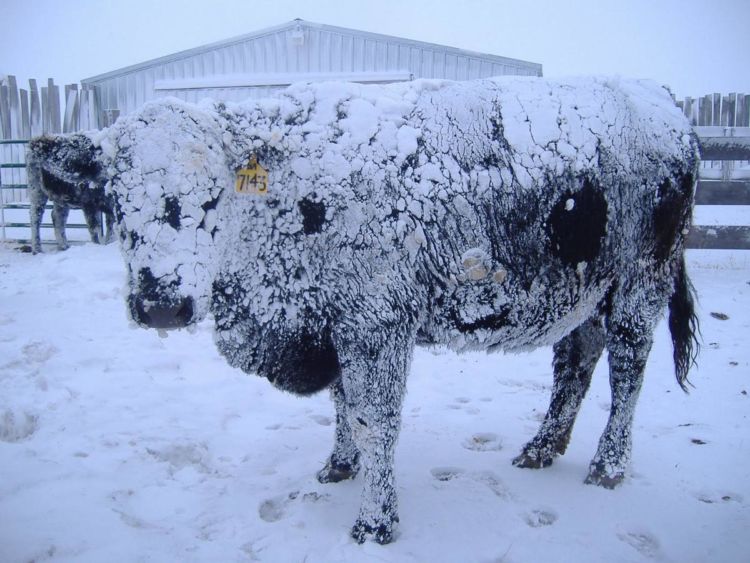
point(25, 123)
point(70, 123)
point(4, 112)
point(36, 115)
point(15, 108)
point(53, 93)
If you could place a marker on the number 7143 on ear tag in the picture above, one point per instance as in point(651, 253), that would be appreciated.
point(252, 179)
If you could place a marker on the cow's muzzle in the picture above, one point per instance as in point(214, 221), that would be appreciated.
point(177, 313)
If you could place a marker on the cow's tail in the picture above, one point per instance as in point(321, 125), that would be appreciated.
point(683, 325)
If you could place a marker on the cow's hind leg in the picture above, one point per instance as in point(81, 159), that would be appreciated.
point(59, 220)
point(109, 216)
point(630, 329)
point(344, 461)
point(574, 361)
point(94, 222)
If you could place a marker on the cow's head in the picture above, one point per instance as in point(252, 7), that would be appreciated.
point(74, 158)
point(167, 171)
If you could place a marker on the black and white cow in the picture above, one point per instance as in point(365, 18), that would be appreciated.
point(79, 185)
point(493, 215)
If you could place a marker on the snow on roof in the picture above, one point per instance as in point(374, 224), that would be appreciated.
point(321, 27)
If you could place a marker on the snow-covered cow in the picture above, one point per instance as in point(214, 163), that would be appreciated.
point(78, 184)
point(331, 230)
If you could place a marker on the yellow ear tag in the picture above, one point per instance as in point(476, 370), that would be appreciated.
point(252, 179)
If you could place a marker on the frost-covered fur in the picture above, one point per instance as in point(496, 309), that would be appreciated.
point(79, 185)
point(492, 215)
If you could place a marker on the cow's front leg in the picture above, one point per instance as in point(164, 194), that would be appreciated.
point(36, 210)
point(373, 378)
point(575, 358)
point(628, 348)
point(344, 461)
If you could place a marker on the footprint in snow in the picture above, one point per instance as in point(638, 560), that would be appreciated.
point(540, 518)
point(446, 473)
point(322, 420)
point(38, 352)
point(183, 455)
point(16, 426)
point(717, 497)
point(494, 484)
point(643, 542)
point(483, 442)
point(275, 508)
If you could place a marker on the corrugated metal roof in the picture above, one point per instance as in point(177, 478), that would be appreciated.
point(291, 25)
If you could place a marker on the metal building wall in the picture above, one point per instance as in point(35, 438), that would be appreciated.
point(270, 57)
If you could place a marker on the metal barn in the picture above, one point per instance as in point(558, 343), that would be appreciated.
point(264, 62)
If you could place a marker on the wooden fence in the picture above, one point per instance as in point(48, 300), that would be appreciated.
point(28, 113)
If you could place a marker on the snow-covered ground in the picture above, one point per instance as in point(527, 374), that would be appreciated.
point(117, 445)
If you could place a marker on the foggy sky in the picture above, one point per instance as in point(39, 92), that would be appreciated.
point(695, 47)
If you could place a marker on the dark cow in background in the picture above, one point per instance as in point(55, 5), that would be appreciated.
point(78, 185)
point(492, 215)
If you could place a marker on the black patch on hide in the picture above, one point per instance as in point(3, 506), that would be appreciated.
point(172, 212)
point(493, 322)
point(313, 215)
point(302, 363)
point(670, 214)
point(576, 233)
point(210, 204)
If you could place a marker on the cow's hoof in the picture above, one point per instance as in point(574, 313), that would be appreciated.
point(381, 533)
point(533, 459)
point(597, 476)
point(336, 472)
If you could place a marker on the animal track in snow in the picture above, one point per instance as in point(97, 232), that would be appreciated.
point(483, 442)
point(717, 497)
point(16, 425)
point(38, 352)
point(446, 473)
point(179, 456)
point(322, 420)
point(494, 483)
point(643, 542)
point(275, 508)
point(540, 518)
